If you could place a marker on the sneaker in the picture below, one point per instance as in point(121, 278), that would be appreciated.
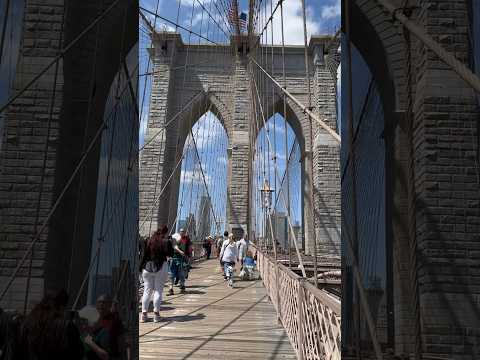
point(156, 318)
point(170, 292)
point(182, 289)
point(144, 318)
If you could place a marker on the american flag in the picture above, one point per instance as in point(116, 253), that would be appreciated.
point(232, 12)
point(242, 21)
point(233, 16)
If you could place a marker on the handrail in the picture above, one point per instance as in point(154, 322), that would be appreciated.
point(310, 316)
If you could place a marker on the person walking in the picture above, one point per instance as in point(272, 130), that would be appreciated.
point(229, 255)
point(207, 246)
point(182, 251)
point(154, 269)
point(223, 242)
point(242, 246)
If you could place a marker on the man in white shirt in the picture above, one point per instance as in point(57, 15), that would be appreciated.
point(229, 255)
point(223, 244)
point(242, 246)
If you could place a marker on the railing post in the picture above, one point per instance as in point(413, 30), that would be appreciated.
point(277, 287)
point(300, 318)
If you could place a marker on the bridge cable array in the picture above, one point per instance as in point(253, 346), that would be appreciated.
point(191, 152)
point(121, 108)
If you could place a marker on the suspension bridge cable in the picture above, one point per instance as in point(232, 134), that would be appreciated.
point(180, 112)
point(54, 207)
point(44, 160)
point(57, 202)
point(463, 71)
point(63, 52)
point(287, 164)
point(176, 24)
point(285, 128)
point(312, 186)
point(201, 170)
point(351, 247)
point(84, 145)
point(4, 28)
point(121, 55)
point(161, 192)
point(283, 197)
point(322, 123)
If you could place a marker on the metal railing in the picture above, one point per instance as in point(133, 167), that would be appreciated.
point(310, 316)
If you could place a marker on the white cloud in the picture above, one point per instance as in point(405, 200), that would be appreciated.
point(292, 24)
point(208, 132)
point(143, 127)
point(162, 26)
point(190, 2)
point(331, 11)
point(150, 4)
point(194, 176)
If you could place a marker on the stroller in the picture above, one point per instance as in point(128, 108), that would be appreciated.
point(249, 271)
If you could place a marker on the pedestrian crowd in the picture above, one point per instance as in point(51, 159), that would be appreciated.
point(169, 258)
point(52, 332)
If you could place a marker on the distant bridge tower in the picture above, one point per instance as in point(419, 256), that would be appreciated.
point(220, 81)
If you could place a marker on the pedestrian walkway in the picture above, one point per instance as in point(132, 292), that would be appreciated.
point(212, 321)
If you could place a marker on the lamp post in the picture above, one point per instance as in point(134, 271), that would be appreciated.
point(266, 192)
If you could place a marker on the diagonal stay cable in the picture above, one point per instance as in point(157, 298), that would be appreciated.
point(4, 27)
point(79, 166)
point(276, 169)
point(203, 174)
point(322, 123)
point(180, 112)
point(61, 54)
point(180, 26)
point(463, 71)
point(161, 191)
point(213, 19)
point(55, 206)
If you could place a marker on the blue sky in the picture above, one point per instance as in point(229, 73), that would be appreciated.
point(323, 17)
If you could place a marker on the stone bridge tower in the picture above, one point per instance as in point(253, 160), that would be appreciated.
point(219, 80)
point(51, 118)
point(431, 130)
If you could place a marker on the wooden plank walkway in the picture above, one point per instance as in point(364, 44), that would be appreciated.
point(212, 321)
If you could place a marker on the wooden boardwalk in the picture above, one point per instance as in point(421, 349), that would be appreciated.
point(212, 321)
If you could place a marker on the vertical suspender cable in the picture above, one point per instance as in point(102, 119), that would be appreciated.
point(4, 28)
point(411, 203)
point(286, 135)
point(312, 187)
point(350, 247)
point(45, 153)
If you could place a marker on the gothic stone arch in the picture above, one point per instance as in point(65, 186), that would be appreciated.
point(445, 113)
point(25, 137)
point(220, 77)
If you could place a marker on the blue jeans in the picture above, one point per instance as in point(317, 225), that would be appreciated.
point(228, 269)
point(177, 270)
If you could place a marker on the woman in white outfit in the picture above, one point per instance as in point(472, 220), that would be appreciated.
point(229, 255)
point(154, 268)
